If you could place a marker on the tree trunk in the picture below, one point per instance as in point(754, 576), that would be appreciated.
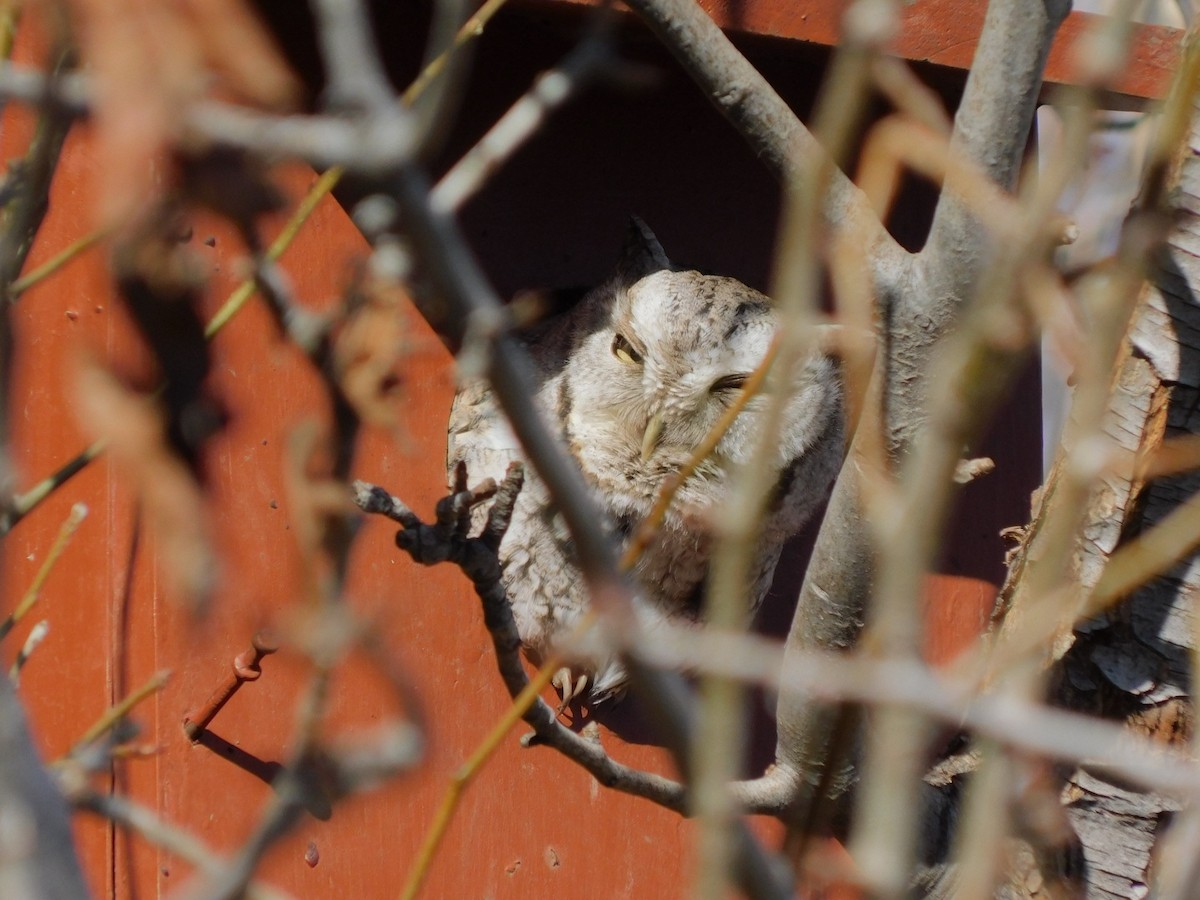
point(1131, 662)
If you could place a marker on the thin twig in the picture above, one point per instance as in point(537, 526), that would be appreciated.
point(23, 504)
point(430, 544)
point(74, 518)
point(24, 214)
point(896, 80)
point(549, 92)
point(462, 778)
point(71, 92)
point(720, 745)
point(372, 147)
point(145, 823)
point(10, 18)
point(648, 528)
point(393, 508)
point(56, 262)
point(118, 712)
point(37, 634)
point(470, 30)
point(244, 291)
point(760, 115)
point(1014, 722)
point(898, 143)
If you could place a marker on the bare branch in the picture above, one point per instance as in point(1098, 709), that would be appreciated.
point(1011, 721)
point(431, 544)
point(795, 288)
point(753, 107)
point(37, 853)
point(69, 93)
point(454, 272)
point(523, 119)
point(373, 146)
point(355, 79)
point(120, 710)
point(144, 823)
point(919, 311)
point(23, 504)
point(56, 262)
point(991, 128)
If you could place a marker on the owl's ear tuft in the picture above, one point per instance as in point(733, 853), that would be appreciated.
point(642, 254)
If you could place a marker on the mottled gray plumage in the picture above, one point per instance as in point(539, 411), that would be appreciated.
point(632, 378)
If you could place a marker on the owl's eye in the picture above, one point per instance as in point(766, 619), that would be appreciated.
point(729, 383)
point(623, 350)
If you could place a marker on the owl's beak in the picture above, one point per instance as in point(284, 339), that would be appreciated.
point(654, 429)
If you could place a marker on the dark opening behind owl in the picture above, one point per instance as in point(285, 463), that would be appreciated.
point(632, 379)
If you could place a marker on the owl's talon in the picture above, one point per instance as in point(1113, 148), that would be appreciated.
point(569, 688)
point(562, 684)
point(580, 686)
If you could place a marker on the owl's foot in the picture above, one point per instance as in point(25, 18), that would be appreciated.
point(568, 686)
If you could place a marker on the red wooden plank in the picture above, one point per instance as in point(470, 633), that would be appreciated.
point(1153, 57)
point(533, 824)
point(945, 32)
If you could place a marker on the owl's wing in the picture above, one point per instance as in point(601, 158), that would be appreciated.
point(478, 432)
point(479, 435)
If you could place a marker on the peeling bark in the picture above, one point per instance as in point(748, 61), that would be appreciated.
point(1131, 662)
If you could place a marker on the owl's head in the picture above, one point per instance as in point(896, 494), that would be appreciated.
point(659, 358)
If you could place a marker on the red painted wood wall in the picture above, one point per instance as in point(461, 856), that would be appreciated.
point(533, 825)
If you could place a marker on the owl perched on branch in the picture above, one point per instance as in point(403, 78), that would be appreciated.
point(632, 379)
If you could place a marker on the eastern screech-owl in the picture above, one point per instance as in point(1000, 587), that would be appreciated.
point(632, 378)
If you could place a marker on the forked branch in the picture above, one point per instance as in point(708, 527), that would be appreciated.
point(447, 540)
